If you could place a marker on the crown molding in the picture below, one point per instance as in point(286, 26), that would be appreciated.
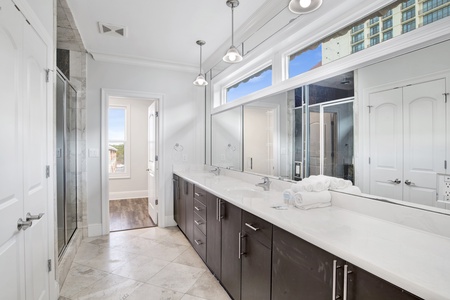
point(143, 62)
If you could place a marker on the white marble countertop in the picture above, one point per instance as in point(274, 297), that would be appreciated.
point(414, 260)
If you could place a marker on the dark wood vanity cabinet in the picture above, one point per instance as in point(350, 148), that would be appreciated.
point(231, 249)
point(301, 270)
point(183, 206)
point(200, 223)
point(256, 257)
point(213, 234)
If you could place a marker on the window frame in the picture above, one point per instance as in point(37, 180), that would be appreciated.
point(126, 148)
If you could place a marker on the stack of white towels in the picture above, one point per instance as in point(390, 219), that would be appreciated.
point(312, 192)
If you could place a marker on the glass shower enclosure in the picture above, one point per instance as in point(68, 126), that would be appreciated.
point(66, 160)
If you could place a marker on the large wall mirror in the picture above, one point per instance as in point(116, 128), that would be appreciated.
point(226, 139)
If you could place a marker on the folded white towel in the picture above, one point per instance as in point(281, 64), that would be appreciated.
point(301, 187)
point(305, 200)
point(316, 183)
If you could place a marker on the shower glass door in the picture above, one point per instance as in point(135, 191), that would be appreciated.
point(66, 161)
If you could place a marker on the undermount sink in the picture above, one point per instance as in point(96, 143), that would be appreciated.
point(244, 192)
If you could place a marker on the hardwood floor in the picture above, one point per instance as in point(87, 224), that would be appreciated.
point(129, 214)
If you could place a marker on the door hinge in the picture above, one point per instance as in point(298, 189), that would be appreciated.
point(47, 75)
point(156, 114)
point(156, 201)
point(369, 160)
point(445, 164)
point(156, 158)
point(47, 171)
point(49, 265)
point(370, 108)
point(446, 96)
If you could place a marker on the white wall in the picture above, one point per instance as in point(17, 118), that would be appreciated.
point(137, 184)
point(44, 12)
point(181, 110)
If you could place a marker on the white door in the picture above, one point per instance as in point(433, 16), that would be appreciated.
point(152, 163)
point(386, 144)
point(424, 140)
point(23, 118)
point(12, 274)
point(35, 149)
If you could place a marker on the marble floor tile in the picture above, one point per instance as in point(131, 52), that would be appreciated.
point(79, 278)
point(177, 277)
point(190, 258)
point(159, 234)
point(141, 268)
point(110, 260)
point(147, 291)
point(166, 251)
point(176, 238)
point(138, 246)
point(87, 252)
point(110, 287)
point(208, 287)
point(189, 297)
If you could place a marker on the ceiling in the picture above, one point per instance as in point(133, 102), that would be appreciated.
point(165, 31)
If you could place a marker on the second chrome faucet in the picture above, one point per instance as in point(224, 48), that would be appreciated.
point(265, 184)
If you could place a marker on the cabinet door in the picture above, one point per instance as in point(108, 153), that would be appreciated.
point(231, 237)
point(179, 203)
point(364, 285)
point(188, 199)
point(256, 269)
point(301, 270)
point(213, 234)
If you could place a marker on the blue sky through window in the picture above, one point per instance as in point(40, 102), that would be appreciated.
point(305, 61)
point(255, 83)
point(116, 126)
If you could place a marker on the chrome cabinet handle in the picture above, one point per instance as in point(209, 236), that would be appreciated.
point(34, 217)
point(23, 225)
point(407, 182)
point(251, 227)
point(198, 242)
point(346, 272)
point(335, 267)
point(197, 194)
point(198, 222)
point(196, 208)
point(220, 209)
point(396, 181)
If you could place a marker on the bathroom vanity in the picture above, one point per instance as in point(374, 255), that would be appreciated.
point(259, 248)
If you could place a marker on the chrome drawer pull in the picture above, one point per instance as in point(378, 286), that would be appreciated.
point(197, 194)
point(198, 222)
point(196, 208)
point(251, 227)
point(198, 242)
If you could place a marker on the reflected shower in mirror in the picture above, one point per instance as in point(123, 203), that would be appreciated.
point(227, 139)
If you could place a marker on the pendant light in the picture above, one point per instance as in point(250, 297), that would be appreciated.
point(200, 80)
point(304, 6)
point(232, 56)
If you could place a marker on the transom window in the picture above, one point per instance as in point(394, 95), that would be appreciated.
point(253, 83)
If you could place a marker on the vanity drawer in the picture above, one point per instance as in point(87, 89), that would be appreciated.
point(200, 243)
point(200, 195)
point(200, 209)
point(257, 228)
point(200, 223)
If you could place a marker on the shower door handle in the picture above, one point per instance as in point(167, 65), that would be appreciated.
point(31, 217)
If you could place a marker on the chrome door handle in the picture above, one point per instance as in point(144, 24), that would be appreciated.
point(251, 227)
point(396, 181)
point(407, 182)
point(34, 217)
point(23, 225)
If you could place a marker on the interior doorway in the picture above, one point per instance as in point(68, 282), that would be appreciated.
point(131, 140)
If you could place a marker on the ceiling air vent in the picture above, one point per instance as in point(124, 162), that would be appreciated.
point(112, 30)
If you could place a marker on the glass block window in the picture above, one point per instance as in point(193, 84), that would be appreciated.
point(253, 83)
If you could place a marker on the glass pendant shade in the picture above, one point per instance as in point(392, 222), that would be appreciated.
point(232, 56)
point(200, 80)
point(304, 6)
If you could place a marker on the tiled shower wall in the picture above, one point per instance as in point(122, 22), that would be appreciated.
point(68, 38)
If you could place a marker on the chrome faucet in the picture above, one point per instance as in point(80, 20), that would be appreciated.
point(215, 171)
point(265, 184)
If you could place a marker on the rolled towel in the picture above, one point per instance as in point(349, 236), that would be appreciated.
point(301, 187)
point(339, 183)
point(305, 200)
point(316, 183)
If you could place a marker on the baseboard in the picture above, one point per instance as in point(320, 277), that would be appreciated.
point(95, 230)
point(128, 195)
